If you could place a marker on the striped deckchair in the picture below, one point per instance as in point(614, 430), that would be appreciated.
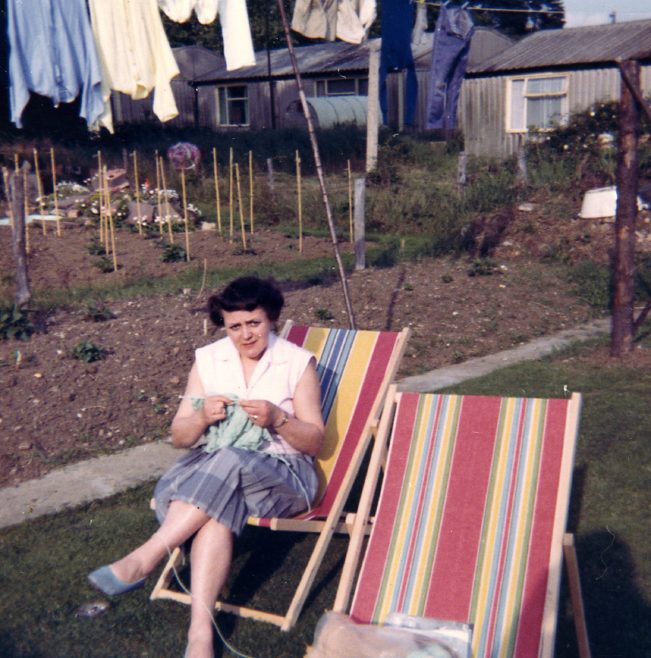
point(355, 369)
point(469, 525)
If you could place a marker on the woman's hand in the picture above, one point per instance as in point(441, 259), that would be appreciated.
point(262, 412)
point(214, 408)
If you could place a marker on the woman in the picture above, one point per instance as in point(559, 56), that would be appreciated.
point(250, 388)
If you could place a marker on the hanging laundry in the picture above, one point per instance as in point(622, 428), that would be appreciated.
point(348, 20)
point(234, 19)
point(396, 55)
point(135, 54)
point(52, 53)
point(452, 37)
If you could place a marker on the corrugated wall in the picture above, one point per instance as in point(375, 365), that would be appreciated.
point(482, 111)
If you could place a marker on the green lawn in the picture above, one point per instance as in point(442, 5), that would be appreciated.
point(43, 563)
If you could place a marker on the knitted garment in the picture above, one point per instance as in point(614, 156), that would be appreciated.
point(237, 429)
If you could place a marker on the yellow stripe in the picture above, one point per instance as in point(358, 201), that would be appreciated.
point(347, 392)
point(436, 501)
point(400, 531)
point(491, 546)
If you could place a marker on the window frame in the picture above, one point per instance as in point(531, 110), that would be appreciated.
point(563, 94)
point(323, 83)
point(225, 89)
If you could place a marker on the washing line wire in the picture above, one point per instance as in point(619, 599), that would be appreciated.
point(496, 9)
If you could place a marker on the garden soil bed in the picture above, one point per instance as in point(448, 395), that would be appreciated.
point(57, 409)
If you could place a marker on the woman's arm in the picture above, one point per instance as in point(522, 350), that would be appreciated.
point(190, 423)
point(305, 429)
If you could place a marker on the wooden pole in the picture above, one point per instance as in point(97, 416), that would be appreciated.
point(251, 192)
point(109, 216)
point(25, 169)
point(627, 173)
point(360, 228)
point(19, 244)
point(100, 200)
point(39, 191)
point(136, 184)
point(159, 193)
point(240, 207)
point(168, 212)
point(53, 164)
point(218, 204)
point(350, 204)
point(317, 163)
point(185, 216)
point(5, 178)
point(230, 195)
point(299, 202)
point(373, 109)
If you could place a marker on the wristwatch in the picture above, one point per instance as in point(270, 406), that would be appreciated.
point(282, 422)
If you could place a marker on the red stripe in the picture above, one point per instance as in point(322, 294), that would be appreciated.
point(458, 542)
point(535, 585)
point(376, 555)
point(297, 334)
point(375, 373)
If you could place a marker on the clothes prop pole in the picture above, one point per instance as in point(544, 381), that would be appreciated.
point(317, 163)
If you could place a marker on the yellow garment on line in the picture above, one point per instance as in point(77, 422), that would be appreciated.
point(135, 54)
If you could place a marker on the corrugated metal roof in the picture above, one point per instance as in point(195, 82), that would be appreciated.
point(595, 44)
point(325, 57)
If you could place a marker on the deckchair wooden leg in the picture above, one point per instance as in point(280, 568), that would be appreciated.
point(162, 586)
point(572, 566)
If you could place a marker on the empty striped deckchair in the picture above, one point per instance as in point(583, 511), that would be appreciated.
point(355, 368)
point(470, 522)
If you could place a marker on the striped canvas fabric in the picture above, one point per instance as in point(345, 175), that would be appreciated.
point(352, 366)
point(470, 519)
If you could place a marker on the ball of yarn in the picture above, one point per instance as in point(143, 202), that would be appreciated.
point(184, 155)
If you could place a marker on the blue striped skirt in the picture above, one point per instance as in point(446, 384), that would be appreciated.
point(232, 484)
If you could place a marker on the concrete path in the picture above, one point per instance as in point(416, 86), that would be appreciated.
point(105, 476)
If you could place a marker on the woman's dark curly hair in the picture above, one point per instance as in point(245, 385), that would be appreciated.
point(246, 294)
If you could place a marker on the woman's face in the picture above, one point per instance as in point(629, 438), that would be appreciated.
point(249, 331)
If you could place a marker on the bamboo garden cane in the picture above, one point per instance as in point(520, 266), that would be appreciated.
point(159, 205)
point(53, 165)
point(230, 195)
point(100, 202)
point(109, 215)
point(168, 211)
point(350, 203)
point(137, 191)
point(239, 205)
point(185, 216)
point(299, 202)
point(251, 192)
point(26, 205)
point(10, 212)
point(215, 168)
point(39, 191)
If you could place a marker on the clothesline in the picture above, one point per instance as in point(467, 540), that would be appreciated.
point(496, 9)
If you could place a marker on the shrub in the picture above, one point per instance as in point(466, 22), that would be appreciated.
point(592, 283)
point(15, 323)
point(88, 352)
point(97, 312)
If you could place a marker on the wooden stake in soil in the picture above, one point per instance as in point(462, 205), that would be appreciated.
point(215, 169)
point(299, 202)
point(136, 185)
point(26, 208)
point(109, 215)
point(185, 216)
point(5, 178)
point(350, 204)
point(240, 207)
point(100, 201)
point(230, 194)
point(39, 191)
point(168, 212)
point(19, 235)
point(53, 165)
point(251, 192)
point(159, 204)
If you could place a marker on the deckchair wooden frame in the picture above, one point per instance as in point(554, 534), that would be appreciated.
point(562, 543)
point(335, 521)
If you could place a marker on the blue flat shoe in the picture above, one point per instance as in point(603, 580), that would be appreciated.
point(107, 582)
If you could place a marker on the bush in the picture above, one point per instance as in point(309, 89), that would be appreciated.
point(173, 253)
point(593, 284)
point(15, 323)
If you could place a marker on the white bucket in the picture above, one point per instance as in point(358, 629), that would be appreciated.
point(602, 202)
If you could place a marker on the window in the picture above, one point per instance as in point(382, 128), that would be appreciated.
point(233, 106)
point(342, 87)
point(536, 101)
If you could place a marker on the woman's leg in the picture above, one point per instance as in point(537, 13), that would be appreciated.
point(180, 523)
point(212, 549)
